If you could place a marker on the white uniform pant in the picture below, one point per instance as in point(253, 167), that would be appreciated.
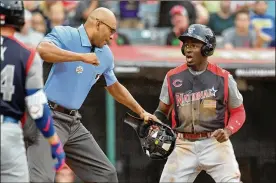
point(190, 157)
point(14, 167)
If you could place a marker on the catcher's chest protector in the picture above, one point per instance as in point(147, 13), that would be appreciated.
point(200, 101)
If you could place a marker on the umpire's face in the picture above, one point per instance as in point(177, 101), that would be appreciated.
point(192, 50)
point(106, 29)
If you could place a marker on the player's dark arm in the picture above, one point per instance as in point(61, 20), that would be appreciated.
point(162, 111)
point(236, 108)
point(165, 104)
point(122, 95)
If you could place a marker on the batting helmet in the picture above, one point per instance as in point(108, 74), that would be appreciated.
point(203, 34)
point(157, 139)
point(12, 14)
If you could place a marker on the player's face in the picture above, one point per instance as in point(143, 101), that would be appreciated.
point(192, 50)
point(106, 33)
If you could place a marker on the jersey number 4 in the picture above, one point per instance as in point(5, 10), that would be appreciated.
point(7, 87)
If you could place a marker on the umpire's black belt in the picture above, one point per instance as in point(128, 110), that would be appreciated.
point(59, 108)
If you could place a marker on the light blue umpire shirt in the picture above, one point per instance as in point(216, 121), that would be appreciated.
point(68, 83)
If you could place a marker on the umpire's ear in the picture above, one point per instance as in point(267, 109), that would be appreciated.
point(30, 131)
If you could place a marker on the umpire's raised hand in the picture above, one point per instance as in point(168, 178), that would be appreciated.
point(90, 58)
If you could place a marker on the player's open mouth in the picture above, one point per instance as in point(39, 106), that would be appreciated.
point(189, 58)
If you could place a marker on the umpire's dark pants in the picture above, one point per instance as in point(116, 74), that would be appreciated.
point(83, 154)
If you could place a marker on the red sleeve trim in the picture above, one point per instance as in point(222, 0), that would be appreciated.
point(31, 57)
point(169, 74)
point(173, 119)
point(178, 69)
point(237, 119)
point(20, 43)
point(23, 119)
point(30, 61)
point(170, 90)
point(226, 98)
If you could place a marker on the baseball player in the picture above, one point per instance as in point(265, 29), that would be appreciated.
point(201, 96)
point(21, 83)
point(80, 56)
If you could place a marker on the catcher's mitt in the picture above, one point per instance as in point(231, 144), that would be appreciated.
point(157, 139)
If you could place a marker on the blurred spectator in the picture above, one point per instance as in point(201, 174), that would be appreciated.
point(212, 6)
point(129, 15)
point(56, 15)
point(264, 22)
point(273, 43)
point(65, 175)
point(240, 36)
point(112, 5)
point(27, 35)
point(69, 5)
point(166, 6)
point(241, 5)
point(44, 7)
point(223, 19)
point(83, 9)
point(31, 5)
point(180, 22)
point(149, 13)
point(271, 8)
point(38, 23)
point(202, 14)
point(119, 39)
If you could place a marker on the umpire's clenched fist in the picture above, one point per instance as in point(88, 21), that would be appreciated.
point(221, 135)
point(90, 58)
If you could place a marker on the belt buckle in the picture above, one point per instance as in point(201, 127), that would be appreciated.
point(52, 105)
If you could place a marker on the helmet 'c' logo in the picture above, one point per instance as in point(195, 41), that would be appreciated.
point(177, 83)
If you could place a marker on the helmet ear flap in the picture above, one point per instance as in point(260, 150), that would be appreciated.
point(182, 49)
point(204, 50)
point(207, 50)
